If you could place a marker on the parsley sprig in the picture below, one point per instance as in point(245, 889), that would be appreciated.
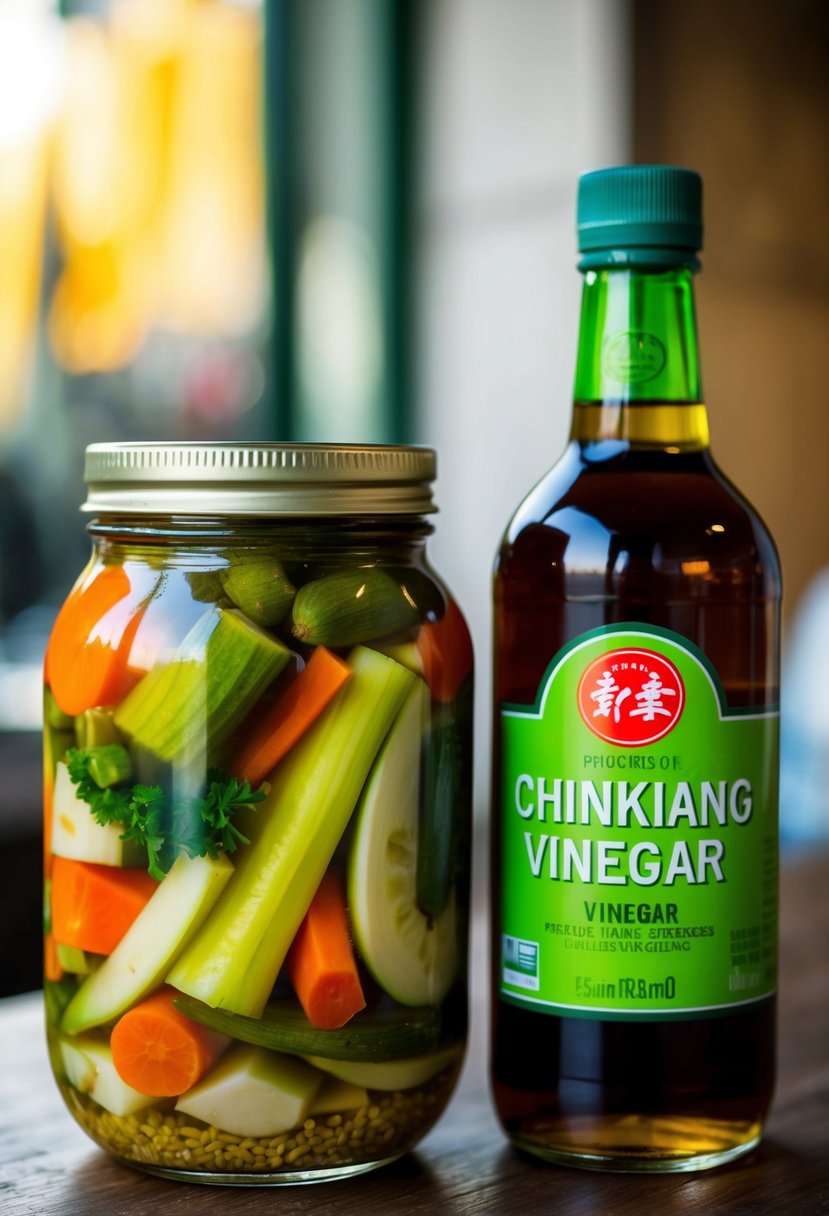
point(201, 825)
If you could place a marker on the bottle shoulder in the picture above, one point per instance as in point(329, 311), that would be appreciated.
point(611, 507)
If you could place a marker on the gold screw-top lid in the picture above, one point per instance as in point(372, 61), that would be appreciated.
point(214, 479)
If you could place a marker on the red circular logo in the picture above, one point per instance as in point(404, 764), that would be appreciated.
point(631, 697)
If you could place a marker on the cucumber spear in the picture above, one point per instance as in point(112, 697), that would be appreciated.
point(186, 707)
point(233, 961)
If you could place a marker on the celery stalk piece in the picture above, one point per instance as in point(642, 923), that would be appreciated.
point(153, 941)
point(96, 726)
point(233, 961)
point(109, 764)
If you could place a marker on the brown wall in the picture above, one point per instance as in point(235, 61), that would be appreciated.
point(739, 89)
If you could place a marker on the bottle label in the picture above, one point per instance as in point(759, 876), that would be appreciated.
point(639, 813)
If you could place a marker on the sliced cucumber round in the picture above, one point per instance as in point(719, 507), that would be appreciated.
point(413, 957)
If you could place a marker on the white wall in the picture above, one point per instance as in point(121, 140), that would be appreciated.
point(518, 98)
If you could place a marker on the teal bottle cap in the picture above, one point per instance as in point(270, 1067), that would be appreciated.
point(628, 214)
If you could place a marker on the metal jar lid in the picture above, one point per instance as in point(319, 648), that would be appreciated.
point(258, 479)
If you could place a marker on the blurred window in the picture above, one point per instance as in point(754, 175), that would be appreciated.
point(134, 288)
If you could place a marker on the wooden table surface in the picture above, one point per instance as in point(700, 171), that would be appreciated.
point(49, 1168)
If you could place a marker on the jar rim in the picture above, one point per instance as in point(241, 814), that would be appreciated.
point(231, 478)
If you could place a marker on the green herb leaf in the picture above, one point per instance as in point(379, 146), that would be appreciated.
point(202, 825)
point(225, 796)
point(145, 824)
point(110, 805)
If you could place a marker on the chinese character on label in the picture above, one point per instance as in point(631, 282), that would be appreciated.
point(631, 697)
point(607, 696)
point(650, 696)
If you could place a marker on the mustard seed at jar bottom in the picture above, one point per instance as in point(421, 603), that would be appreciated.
point(258, 709)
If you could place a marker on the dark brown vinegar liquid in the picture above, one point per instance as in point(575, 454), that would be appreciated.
point(655, 534)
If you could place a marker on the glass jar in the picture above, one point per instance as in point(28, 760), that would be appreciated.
point(257, 811)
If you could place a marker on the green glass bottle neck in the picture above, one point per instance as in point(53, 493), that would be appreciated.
point(638, 373)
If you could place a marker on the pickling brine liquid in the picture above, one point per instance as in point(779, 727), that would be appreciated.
point(635, 524)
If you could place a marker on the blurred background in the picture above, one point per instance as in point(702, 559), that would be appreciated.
point(354, 220)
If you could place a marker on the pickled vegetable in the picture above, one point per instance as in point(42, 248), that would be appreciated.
point(270, 969)
point(79, 962)
point(443, 829)
point(159, 1051)
point(382, 1034)
point(190, 704)
point(274, 733)
point(87, 660)
point(350, 607)
point(412, 956)
point(253, 1092)
point(260, 587)
point(234, 960)
point(91, 1069)
point(157, 936)
point(95, 727)
point(93, 906)
point(77, 835)
point(388, 1074)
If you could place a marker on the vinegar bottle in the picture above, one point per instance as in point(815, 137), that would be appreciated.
point(635, 739)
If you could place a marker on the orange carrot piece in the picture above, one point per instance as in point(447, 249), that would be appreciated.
point(94, 905)
point(52, 969)
point(446, 650)
point(284, 724)
point(48, 802)
point(85, 667)
point(321, 961)
point(159, 1051)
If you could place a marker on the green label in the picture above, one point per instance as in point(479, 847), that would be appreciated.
point(639, 816)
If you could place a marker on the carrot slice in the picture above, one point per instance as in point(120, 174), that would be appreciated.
point(446, 650)
point(273, 735)
point(94, 905)
point(321, 961)
point(88, 651)
point(158, 1050)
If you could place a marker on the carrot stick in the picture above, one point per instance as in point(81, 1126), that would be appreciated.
point(52, 969)
point(446, 650)
point(94, 905)
point(159, 1051)
point(86, 658)
point(321, 961)
point(273, 735)
point(48, 803)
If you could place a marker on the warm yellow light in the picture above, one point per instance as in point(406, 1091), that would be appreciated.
point(696, 567)
point(212, 269)
point(159, 184)
point(106, 186)
point(29, 86)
